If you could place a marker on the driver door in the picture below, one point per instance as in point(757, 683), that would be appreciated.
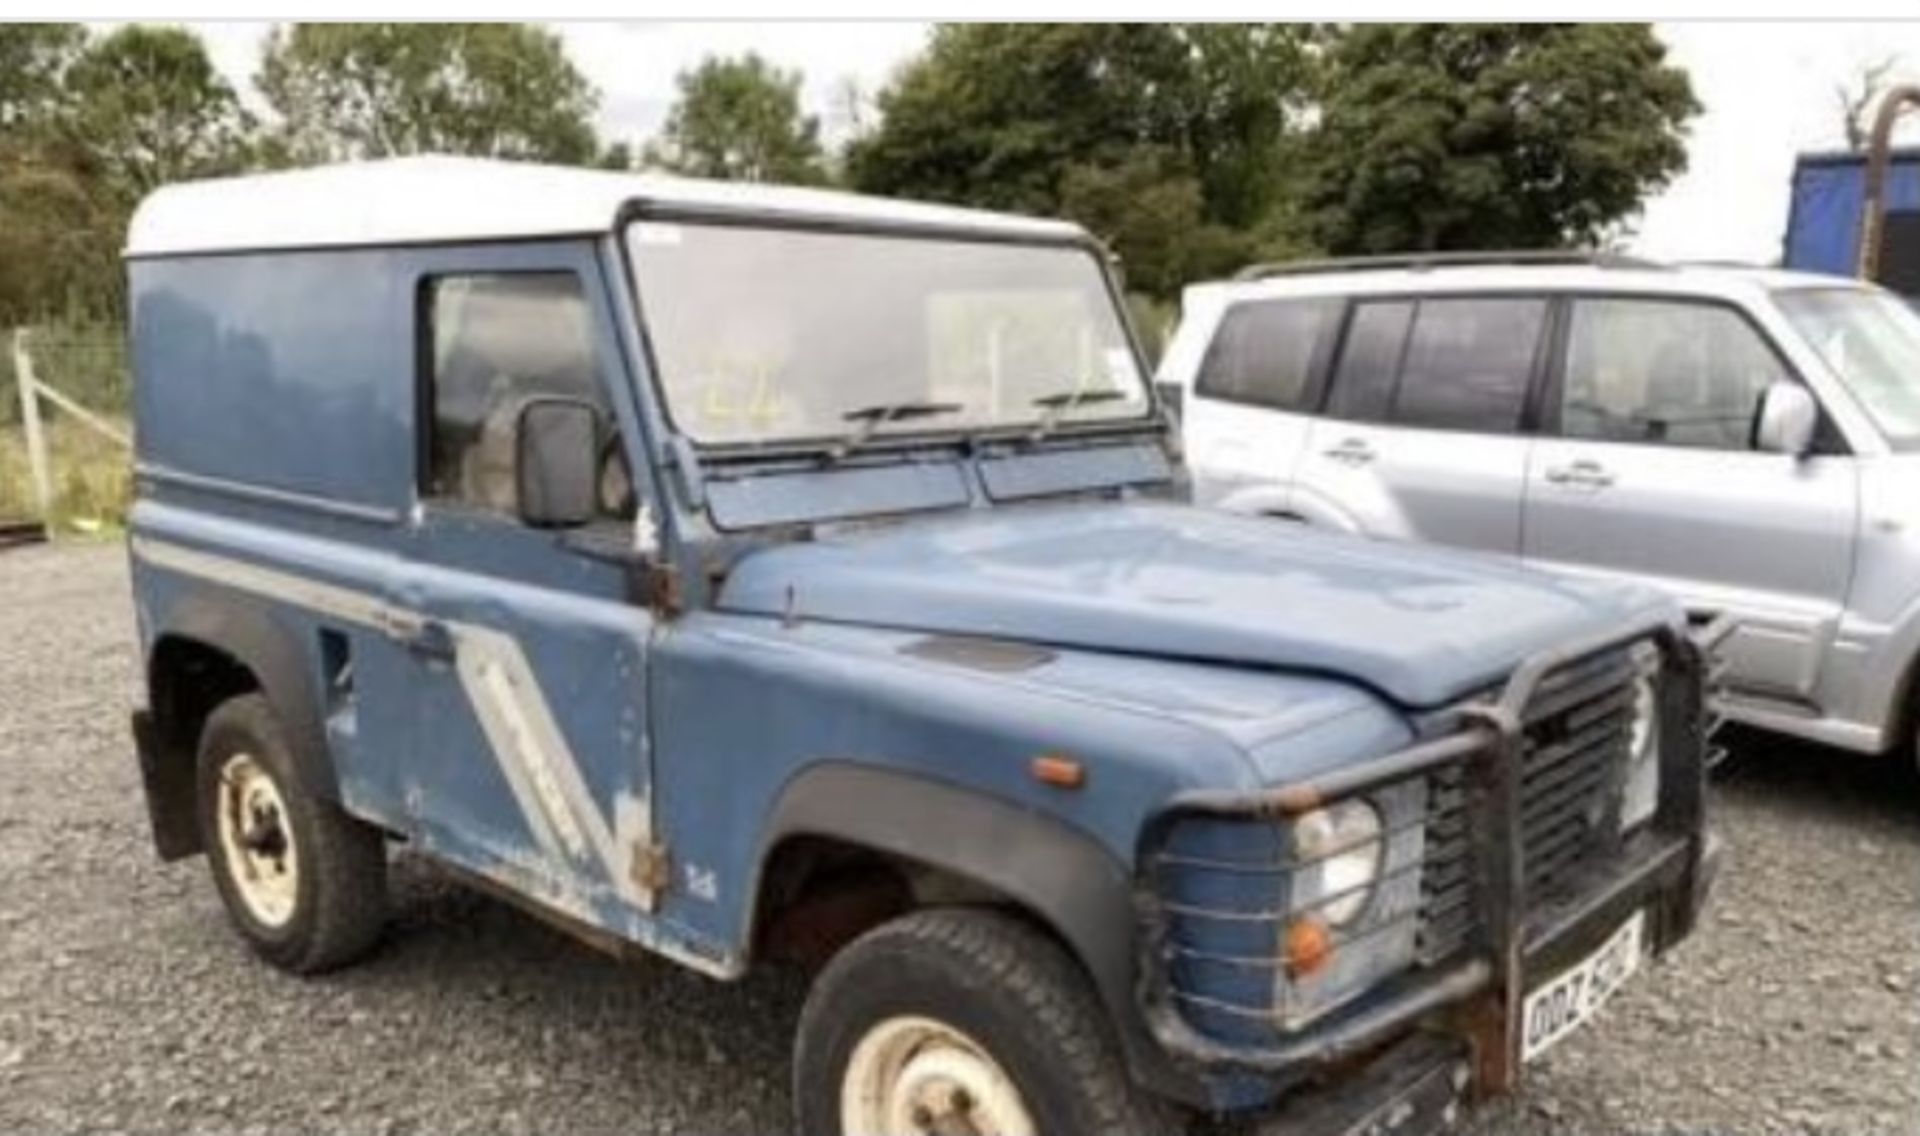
point(1645, 472)
point(530, 760)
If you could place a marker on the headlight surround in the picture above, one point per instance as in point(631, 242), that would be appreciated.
point(1640, 792)
point(1352, 900)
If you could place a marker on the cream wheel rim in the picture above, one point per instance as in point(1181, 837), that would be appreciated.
point(258, 840)
point(913, 1076)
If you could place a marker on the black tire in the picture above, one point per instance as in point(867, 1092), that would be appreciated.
point(1004, 985)
point(340, 887)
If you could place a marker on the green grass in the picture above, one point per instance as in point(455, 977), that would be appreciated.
point(92, 479)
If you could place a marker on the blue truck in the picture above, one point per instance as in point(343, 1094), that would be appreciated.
point(741, 574)
point(1825, 218)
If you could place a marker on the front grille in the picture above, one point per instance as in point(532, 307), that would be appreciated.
point(1447, 898)
point(1573, 757)
point(1573, 750)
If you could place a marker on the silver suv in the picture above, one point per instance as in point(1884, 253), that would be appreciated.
point(1747, 439)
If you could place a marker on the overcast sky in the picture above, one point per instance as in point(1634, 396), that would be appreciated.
point(1768, 90)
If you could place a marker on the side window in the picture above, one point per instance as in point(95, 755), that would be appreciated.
point(1679, 374)
point(1468, 364)
point(1370, 364)
point(497, 342)
point(1263, 352)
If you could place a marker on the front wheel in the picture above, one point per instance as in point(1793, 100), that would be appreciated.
point(962, 1021)
point(303, 882)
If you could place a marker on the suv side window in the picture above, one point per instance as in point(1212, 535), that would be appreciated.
point(1264, 351)
point(1370, 363)
point(1675, 373)
point(1468, 364)
point(495, 342)
point(1448, 364)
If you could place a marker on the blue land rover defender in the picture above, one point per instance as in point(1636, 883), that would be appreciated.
point(737, 573)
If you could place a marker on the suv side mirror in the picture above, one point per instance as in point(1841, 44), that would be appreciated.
point(1785, 421)
point(556, 455)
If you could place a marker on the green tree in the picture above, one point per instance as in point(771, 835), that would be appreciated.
point(90, 125)
point(1172, 142)
point(146, 107)
point(59, 243)
point(1461, 136)
point(740, 119)
point(343, 91)
point(33, 63)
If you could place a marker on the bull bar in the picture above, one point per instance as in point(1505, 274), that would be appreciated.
point(1668, 867)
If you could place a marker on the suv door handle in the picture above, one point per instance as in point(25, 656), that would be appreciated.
point(1353, 451)
point(1584, 474)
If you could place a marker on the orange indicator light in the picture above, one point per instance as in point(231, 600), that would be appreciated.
point(1309, 946)
point(1059, 771)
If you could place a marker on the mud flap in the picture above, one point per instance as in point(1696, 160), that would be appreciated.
point(168, 781)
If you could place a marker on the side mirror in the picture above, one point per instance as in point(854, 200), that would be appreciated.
point(556, 456)
point(1786, 419)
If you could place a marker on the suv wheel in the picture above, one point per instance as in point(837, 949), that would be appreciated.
point(304, 883)
point(961, 1021)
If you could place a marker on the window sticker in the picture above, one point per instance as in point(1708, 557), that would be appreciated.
point(1121, 369)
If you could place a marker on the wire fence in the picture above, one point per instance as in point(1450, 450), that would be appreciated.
point(68, 464)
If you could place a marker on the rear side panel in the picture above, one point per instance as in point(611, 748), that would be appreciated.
point(288, 372)
point(478, 691)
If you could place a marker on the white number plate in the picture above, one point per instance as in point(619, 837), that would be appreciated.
point(1566, 1001)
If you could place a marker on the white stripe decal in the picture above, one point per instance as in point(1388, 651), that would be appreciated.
point(341, 603)
point(505, 694)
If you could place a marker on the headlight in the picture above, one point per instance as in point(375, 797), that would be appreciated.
point(1352, 899)
point(1339, 850)
point(1641, 796)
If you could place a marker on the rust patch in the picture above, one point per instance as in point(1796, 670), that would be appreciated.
point(651, 869)
point(660, 589)
point(1482, 1022)
point(832, 915)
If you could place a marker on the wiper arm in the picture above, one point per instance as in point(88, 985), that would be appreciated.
point(871, 418)
point(1054, 406)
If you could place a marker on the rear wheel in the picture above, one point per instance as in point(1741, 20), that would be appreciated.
point(304, 883)
point(964, 1022)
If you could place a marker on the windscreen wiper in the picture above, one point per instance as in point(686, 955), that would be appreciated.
point(871, 418)
point(1055, 405)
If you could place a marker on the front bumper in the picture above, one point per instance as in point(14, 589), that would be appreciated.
point(1426, 1026)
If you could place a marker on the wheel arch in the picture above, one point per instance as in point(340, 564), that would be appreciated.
point(1061, 879)
point(207, 652)
point(1315, 508)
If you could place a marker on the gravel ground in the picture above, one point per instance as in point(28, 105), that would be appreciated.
point(126, 1003)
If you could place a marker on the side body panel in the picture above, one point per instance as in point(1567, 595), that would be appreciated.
point(1242, 455)
point(1246, 455)
point(1429, 485)
point(1765, 537)
point(481, 686)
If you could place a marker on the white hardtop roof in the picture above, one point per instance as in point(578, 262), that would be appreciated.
point(435, 199)
point(1722, 281)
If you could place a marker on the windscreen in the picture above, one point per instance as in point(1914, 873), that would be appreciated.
point(764, 334)
point(1872, 341)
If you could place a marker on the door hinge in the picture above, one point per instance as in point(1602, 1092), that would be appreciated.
point(660, 588)
point(651, 868)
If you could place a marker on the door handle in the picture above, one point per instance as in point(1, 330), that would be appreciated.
point(1583, 474)
point(1353, 451)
